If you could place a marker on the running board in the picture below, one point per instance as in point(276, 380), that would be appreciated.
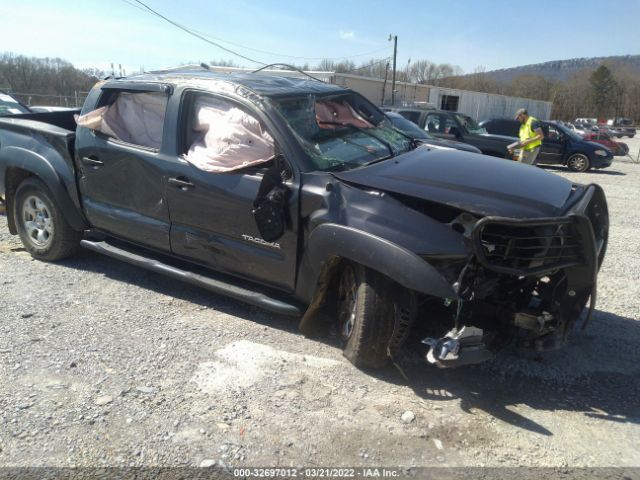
point(252, 297)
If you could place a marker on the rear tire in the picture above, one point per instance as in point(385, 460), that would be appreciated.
point(366, 316)
point(43, 230)
point(578, 162)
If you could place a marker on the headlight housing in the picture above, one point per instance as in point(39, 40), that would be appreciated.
point(601, 153)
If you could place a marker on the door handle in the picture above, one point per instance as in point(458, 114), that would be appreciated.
point(182, 183)
point(92, 162)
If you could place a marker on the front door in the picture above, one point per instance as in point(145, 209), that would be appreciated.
point(211, 215)
point(121, 168)
point(553, 145)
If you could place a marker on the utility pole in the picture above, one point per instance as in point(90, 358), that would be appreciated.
point(384, 85)
point(393, 78)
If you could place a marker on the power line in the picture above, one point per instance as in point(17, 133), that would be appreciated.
point(364, 67)
point(197, 35)
point(203, 34)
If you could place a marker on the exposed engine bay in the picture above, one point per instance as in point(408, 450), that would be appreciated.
point(527, 282)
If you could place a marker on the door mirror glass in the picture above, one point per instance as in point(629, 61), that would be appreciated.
point(270, 206)
point(269, 213)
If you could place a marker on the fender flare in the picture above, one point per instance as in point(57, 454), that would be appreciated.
point(55, 173)
point(331, 240)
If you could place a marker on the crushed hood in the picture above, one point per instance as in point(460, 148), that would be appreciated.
point(476, 183)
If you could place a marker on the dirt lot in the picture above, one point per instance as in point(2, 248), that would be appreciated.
point(102, 363)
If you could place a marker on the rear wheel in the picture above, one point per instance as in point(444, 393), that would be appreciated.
point(578, 162)
point(44, 231)
point(366, 316)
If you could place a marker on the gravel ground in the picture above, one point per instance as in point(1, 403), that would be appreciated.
point(634, 146)
point(102, 363)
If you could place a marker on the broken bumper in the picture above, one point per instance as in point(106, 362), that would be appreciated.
point(541, 273)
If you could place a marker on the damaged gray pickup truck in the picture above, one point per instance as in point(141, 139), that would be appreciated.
point(302, 198)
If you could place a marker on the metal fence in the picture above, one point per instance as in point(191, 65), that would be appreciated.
point(51, 100)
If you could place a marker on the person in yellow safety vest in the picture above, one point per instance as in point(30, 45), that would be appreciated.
point(530, 137)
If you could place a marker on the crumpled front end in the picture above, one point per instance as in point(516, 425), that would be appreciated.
point(526, 281)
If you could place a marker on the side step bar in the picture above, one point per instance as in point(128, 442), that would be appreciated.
point(218, 286)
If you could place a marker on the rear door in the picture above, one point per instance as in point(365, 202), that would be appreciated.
point(120, 165)
point(553, 145)
point(211, 213)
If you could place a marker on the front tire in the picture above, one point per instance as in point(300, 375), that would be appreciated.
point(366, 316)
point(578, 162)
point(43, 230)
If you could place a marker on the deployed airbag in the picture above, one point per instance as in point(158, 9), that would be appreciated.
point(329, 113)
point(136, 118)
point(227, 138)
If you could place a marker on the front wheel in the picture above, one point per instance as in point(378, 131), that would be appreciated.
point(43, 230)
point(365, 315)
point(578, 162)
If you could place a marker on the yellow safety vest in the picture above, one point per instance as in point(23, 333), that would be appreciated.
point(526, 132)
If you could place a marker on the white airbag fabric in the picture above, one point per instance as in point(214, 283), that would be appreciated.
point(227, 138)
point(136, 118)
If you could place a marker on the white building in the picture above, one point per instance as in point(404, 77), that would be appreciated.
point(480, 106)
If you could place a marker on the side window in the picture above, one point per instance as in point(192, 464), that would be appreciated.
point(449, 123)
point(411, 116)
point(434, 123)
point(221, 136)
point(131, 117)
point(553, 133)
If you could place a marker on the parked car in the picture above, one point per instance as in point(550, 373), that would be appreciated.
point(580, 129)
point(308, 203)
point(590, 121)
point(416, 132)
point(458, 127)
point(610, 131)
point(625, 125)
point(560, 146)
point(617, 148)
point(10, 105)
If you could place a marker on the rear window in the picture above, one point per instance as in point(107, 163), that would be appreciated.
point(136, 118)
point(411, 116)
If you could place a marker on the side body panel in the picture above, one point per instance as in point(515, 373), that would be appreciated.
point(44, 151)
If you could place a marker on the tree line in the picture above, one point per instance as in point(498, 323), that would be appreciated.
point(604, 92)
point(48, 81)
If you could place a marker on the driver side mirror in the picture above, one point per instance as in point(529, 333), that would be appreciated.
point(270, 206)
point(270, 214)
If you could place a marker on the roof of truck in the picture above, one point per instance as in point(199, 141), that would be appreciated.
point(259, 83)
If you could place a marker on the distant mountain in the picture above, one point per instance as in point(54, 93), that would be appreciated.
point(563, 69)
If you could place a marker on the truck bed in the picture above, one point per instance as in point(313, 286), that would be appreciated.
point(33, 137)
point(62, 120)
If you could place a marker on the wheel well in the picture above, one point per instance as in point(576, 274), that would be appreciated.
point(320, 313)
point(14, 177)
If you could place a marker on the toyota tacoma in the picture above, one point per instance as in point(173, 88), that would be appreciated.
point(301, 197)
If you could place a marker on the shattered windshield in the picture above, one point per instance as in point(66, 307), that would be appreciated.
point(470, 124)
point(342, 132)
